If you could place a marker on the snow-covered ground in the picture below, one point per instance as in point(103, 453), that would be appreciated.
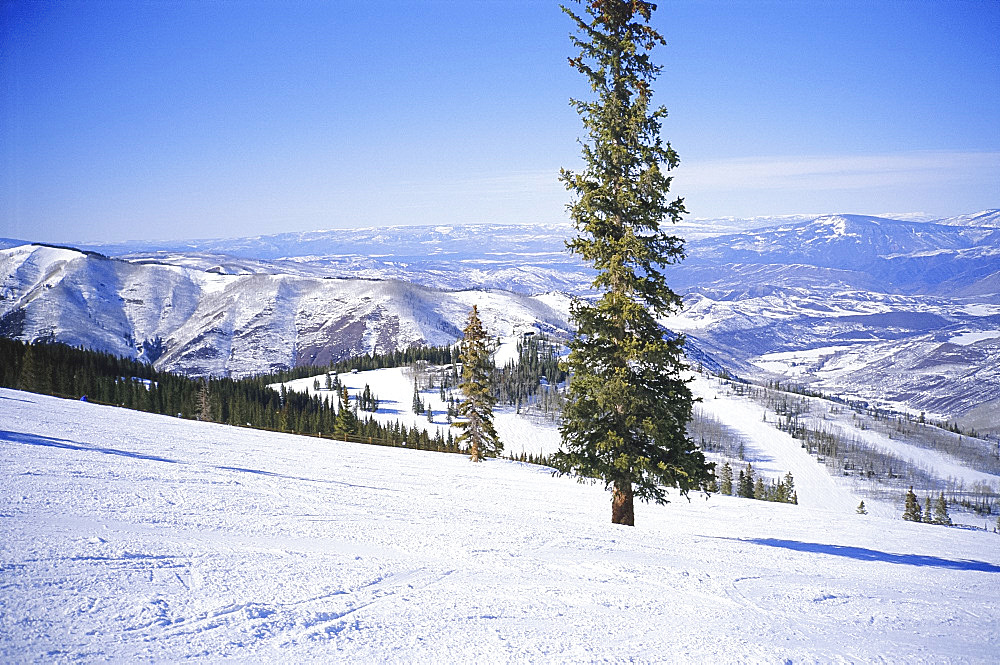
point(394, 389)
point(132, 537)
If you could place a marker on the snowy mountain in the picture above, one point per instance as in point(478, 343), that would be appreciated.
point(983, 218)
point(203, 322)
point(132, 537)
point(897, 312)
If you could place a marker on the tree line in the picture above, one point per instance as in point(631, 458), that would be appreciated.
point(70, 372)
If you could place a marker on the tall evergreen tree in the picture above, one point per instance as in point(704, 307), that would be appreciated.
point(726, 484)
point(346, 421)
point(477, 407)
point(628, 406)
point(28, 378)
point(941, 515)
point(911, 509)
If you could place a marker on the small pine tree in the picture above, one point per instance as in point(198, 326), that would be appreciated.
point(759, 489)
point(204, 402)
point(726, 480)
point(927, 509)
point(789, 484)
point(27, 380)
point(861, 509)
point(941, 511)
point(346, 421)
point(746, 489)
point(477, 407)
point(911, 509)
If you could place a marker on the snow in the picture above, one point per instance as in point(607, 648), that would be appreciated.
point(967, 338)
point(797, 363)
point(394, 389)
point(778, 452)
point(133, 537)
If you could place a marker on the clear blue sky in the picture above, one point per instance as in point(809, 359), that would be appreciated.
point(174, 119)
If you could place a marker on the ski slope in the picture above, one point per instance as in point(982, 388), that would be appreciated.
point(133, 537)
point(394, 389)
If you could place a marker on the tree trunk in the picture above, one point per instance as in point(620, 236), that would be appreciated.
point(621, 504)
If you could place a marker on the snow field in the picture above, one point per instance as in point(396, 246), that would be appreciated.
point(776, 452)
point(129, 536)
point(394, 389)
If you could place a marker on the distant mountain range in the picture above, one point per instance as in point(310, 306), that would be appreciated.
point(896, 312)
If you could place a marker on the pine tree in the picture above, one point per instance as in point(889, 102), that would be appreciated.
point(759, 491)
point(941, 515)
point(28, 378)
point(911, 509)
point(927, 508)
point(789, 484)
point(745, 489)
point(346, 422)
point(726, 485)
point(477, 407)
point(628, 406)
point(204, 402)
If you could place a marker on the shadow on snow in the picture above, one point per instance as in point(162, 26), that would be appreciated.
point(65, 444)
point(50, 442)
point(863, 554)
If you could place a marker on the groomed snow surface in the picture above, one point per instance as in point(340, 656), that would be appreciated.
point(132, 537)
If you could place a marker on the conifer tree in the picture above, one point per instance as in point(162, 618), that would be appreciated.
point(911, 509)
point(927, 508)
point(726, 485)
point(477, 407)
point(789, 483)
point(746, 486)
point(941, 515)
point(346, 421)
point(204, 402)
point(628, 406)
point(30, 369)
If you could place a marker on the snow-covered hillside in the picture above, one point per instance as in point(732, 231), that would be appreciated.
point(201, 323)
point(886, 297)
point(134, 537)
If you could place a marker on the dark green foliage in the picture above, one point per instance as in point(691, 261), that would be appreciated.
point(911, 509)
point(726, 483)
point(745, 488)
point(628, 406)
point(435, 355)
point(477, 407)
point(941, 515)
point(750, 485)
point(108, 379)
point(417, 404)
point(368, 401)
point(538, 360)
point(346, 422)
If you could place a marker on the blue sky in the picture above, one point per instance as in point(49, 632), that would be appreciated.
point(171, 119)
